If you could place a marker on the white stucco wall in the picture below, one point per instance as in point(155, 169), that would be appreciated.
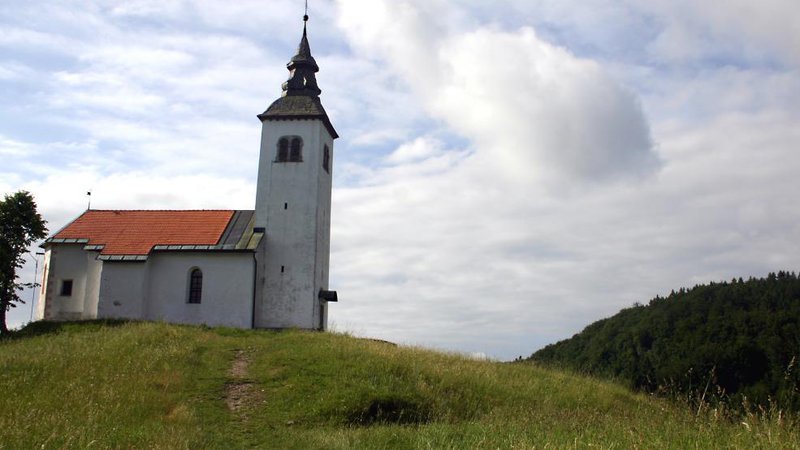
point(40, 305)
point(123, 286)
point(64, 262)
point(227, 295)
point(94, 271)
point(156, 289)
point(293, 205)
point(323, 233)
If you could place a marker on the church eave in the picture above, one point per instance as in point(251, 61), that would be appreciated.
point(54, 240)
point(324, 118)
point(175, 248)
point(125, 258)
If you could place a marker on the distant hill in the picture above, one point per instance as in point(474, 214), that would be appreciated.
point(732, 340)
point(159, 386)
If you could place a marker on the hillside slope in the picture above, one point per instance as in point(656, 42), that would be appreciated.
point(150, 385)
point(740, 339)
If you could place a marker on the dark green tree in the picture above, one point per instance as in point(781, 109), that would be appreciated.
point(20, 226)
point(727, 340)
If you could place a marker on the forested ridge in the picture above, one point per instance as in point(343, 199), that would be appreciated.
point(730, 340)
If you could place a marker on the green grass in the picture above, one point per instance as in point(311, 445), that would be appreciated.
point(150, 385)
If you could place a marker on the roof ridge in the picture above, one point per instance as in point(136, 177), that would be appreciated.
point(160, 210)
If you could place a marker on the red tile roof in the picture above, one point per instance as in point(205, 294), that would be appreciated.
point(135, 232)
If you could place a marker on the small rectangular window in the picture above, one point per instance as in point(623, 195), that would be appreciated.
point(66, 288)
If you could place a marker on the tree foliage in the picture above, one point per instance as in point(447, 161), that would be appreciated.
point(20, 226)
point(738, 339)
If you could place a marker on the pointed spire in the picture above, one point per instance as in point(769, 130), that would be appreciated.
point(300, 97)
point(304, 52)
point(302, 69)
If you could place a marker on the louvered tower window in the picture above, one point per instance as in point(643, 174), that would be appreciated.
point(290, 149)
point(296, 154)
point(283, 150)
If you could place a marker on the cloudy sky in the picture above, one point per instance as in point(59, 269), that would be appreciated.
point(507, 173)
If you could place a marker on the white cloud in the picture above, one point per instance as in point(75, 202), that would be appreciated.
point(464, 255)
point(458, 262)
point(11, 148)
point(733, 28)
point(533, 110)
point(420, 149)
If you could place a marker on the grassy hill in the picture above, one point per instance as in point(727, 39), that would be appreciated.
point(151, 385)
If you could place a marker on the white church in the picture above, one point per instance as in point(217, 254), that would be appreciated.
point(262, 268)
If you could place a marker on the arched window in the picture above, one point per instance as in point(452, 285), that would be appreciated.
point(283, 150)
point(195, 285)
point(296, 154)
point(326, 159)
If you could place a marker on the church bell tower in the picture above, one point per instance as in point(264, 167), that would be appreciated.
point(293, 203)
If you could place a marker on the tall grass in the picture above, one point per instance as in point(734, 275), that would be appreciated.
point(147, 385)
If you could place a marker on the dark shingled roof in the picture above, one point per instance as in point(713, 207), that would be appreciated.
point(298, 107)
